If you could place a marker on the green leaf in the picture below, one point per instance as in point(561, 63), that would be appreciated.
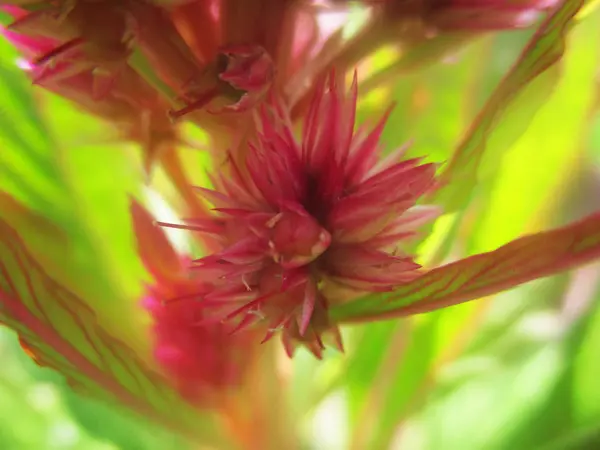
point(26, 171)
point(42, 412)
point(586, 370)
point(522, 260)
point(408, 379)
point(61, 331)
point(70, 279)
point(431, 105)
point(500, 371)
point(82, 189)
point(533, 176)
point(364, 365)
point(511, 107)
point(483, 411)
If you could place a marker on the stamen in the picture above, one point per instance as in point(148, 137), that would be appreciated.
point(257, 312)
point(246, 285)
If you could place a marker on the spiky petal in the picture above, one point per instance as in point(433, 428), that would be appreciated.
point(306, 224)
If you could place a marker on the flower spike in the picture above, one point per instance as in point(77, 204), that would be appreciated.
point(306, 225)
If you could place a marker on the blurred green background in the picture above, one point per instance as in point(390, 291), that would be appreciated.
point(518, 371)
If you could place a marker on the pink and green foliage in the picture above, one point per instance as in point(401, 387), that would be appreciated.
point(187, 179)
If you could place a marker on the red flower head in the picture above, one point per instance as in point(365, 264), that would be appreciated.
point(305, 225)
point(203, 361)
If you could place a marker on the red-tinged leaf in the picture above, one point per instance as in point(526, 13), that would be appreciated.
point(518, 262)
point(524, 88)
point(59, 330)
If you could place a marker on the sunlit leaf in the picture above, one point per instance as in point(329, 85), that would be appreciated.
point(531, 179)
point(73, 186)
point(25, 168)
point(59, 330)
point(520, 261)
point(497, 402)
point(512, 105)
point(404, 380)
point(585, 395)
point(363, 366)
point(512, 370)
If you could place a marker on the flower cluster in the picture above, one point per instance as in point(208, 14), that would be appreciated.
point(202, 359)
point(303, 225)
point(306, 213)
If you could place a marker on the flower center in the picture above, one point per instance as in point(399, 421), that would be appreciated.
point(296, 238)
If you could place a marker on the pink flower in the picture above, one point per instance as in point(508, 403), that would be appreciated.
point(97, 39)
point(203, 360)
point(306, 225)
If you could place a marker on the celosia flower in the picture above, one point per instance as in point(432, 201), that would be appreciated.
point(308, 230)
point(121, 96)
point(305, 225)
point(81, 50)
point(204, 361)
point(201, 360)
